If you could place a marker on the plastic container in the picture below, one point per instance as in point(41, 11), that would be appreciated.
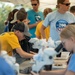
point(16, 68)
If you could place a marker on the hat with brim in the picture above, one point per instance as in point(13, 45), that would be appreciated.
point(15, 18)
point(19, 26)
point(26, 31)
point(22, 28)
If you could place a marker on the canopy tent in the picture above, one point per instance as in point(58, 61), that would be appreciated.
point(43, 3)
point(16, 1)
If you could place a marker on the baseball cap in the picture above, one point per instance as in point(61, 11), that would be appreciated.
point(15, 18)
point(22, 28)
point(26, 31)
point(19, 15)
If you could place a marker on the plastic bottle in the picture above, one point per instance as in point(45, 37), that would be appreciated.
point(16, 68)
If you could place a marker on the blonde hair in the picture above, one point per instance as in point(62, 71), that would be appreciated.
point(68, 32)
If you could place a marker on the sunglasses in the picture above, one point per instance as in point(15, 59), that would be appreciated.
point(33, 4)
point(67, 4)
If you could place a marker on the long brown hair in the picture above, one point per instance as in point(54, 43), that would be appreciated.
point(72, 9)
point(46, 11)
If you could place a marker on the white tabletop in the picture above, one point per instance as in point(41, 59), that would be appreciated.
point(27, 64)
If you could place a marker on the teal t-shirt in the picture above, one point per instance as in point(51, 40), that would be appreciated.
point(34, 17)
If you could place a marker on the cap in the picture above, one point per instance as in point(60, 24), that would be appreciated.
point(22, 28)
point(19, 15)
point(19, 26)
point(15, 18)
point(26, 31)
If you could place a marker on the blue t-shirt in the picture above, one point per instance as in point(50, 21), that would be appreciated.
point(57, 22)
point(5, 68)
point(71, 65)
point(34, 17)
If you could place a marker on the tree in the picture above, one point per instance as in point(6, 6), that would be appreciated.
point(4, 10)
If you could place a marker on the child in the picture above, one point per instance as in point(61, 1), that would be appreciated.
point(67, 37)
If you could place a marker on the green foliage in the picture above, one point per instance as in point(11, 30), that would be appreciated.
point(4, 10)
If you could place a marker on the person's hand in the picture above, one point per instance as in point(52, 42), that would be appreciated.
point(37, 23)
point(33, 52)
point(32, 73)
point(26, 21)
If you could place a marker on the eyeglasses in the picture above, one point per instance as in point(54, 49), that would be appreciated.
point(33, 4)
point(67, 4)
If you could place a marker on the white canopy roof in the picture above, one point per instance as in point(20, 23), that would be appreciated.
point(43, 3)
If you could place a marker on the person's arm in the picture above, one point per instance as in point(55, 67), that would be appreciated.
point(39, 37)
point(42, 31)
point(53, 72)
point(37, 31)
point(69, 73)
point(33, 25)
point(23, 53)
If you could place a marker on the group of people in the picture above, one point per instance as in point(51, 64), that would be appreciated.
point(24, 25)
point(61, 29)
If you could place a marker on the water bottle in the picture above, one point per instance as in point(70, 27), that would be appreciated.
point(16, 68)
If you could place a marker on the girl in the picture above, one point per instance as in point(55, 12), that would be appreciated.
point(67, 37)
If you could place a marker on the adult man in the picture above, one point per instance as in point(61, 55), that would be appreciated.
point(34, 16)
point(58, 19)
point(10, 40)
